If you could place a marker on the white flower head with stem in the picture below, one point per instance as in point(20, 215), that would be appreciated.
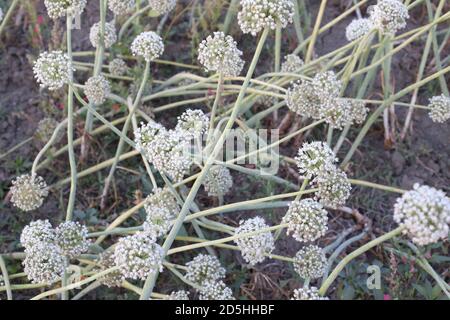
point(310, 262)
point(97, 89)
point(440, 108)
point(60, 8)
point(121, 7)
point(28, 192)
point(148, 45)
point(53, 69)
point(109, 38)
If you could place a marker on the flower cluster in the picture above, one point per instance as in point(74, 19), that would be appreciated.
point(110, 36)
point(256, 15)
point(310, 262)
point(315, 158)
point(138, 256)
point(53, 69)
point(311, 293)
point(105, 262)
point(388, 16)
point(292, 63)
point(215, 290)
point(334, 188)
point(358, 28)
point(162, 6)
point(118, 67)
point(255, 247)
point(440, 108)
point(220, 53)
point(319, 99)
point(28, 192)
point(147, 45)
point(71, 237)
point(145, 135)
point(158, 220)
point(218, 181)
point(424, 212)
point(59, 8)
point(179, 295)
point(119, 7)
point(307, 220)
point(204, 268)
point(47, 249)
point(192, 123)
point(45, 130)
point(97, 89)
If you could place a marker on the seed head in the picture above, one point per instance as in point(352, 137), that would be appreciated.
point(256, 15)
point(39, 231)
point(118, 67)
point(110, 34)
point(311, 293)
point(59, 8)
point(220, 53)
point(218, 181)
point(28, 192)
point(215, 290)
point(307, 220)
point(204, 268)
point(120, 7)
point(310, 262)
point(97, 89)
point(53, 69)
point(292, 63)
point(334, 188)
point(138, 256)
point(358, 28)
point(148, 45)
point(425, 214)
point(440, 108)
point(389, 16)
point(162, 6)
point(254, 248)
point(315, 158)
point(44, 263)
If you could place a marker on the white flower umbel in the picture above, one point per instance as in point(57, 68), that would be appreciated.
point(215, 290)
point(440, 108)
point(110, 34)
point(256, 15)
point(53, 69)
point(314, 158)
point(307, 220)
point(218, 181)
point(36, 232)
point(138, 256)
point(169, 154)
point(292, 63)
point(337, 112)
point(162, 198)
point(45, 130)
point(303, 99)
point(145, 135)
point(148, 45)
point(254, 248)
point(334, 188)
point(358, 28)
point(311, 293)
point(358, 111)
point(28, 192)
point(425, 214)
point(44, 263)
point(158, 221)
point(389, 16)
point(97, 89)
point(220, 53)
point(59, 8)
point(204, 268)
point(192, 123)
point(179, 295)
point(162, 6)
point(105, 262)
point(310, 262)
point(71, 237)
point(118, 67)
point(120, 7)
point(327, 85)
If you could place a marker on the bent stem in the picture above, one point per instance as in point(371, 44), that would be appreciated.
point(327, 283)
